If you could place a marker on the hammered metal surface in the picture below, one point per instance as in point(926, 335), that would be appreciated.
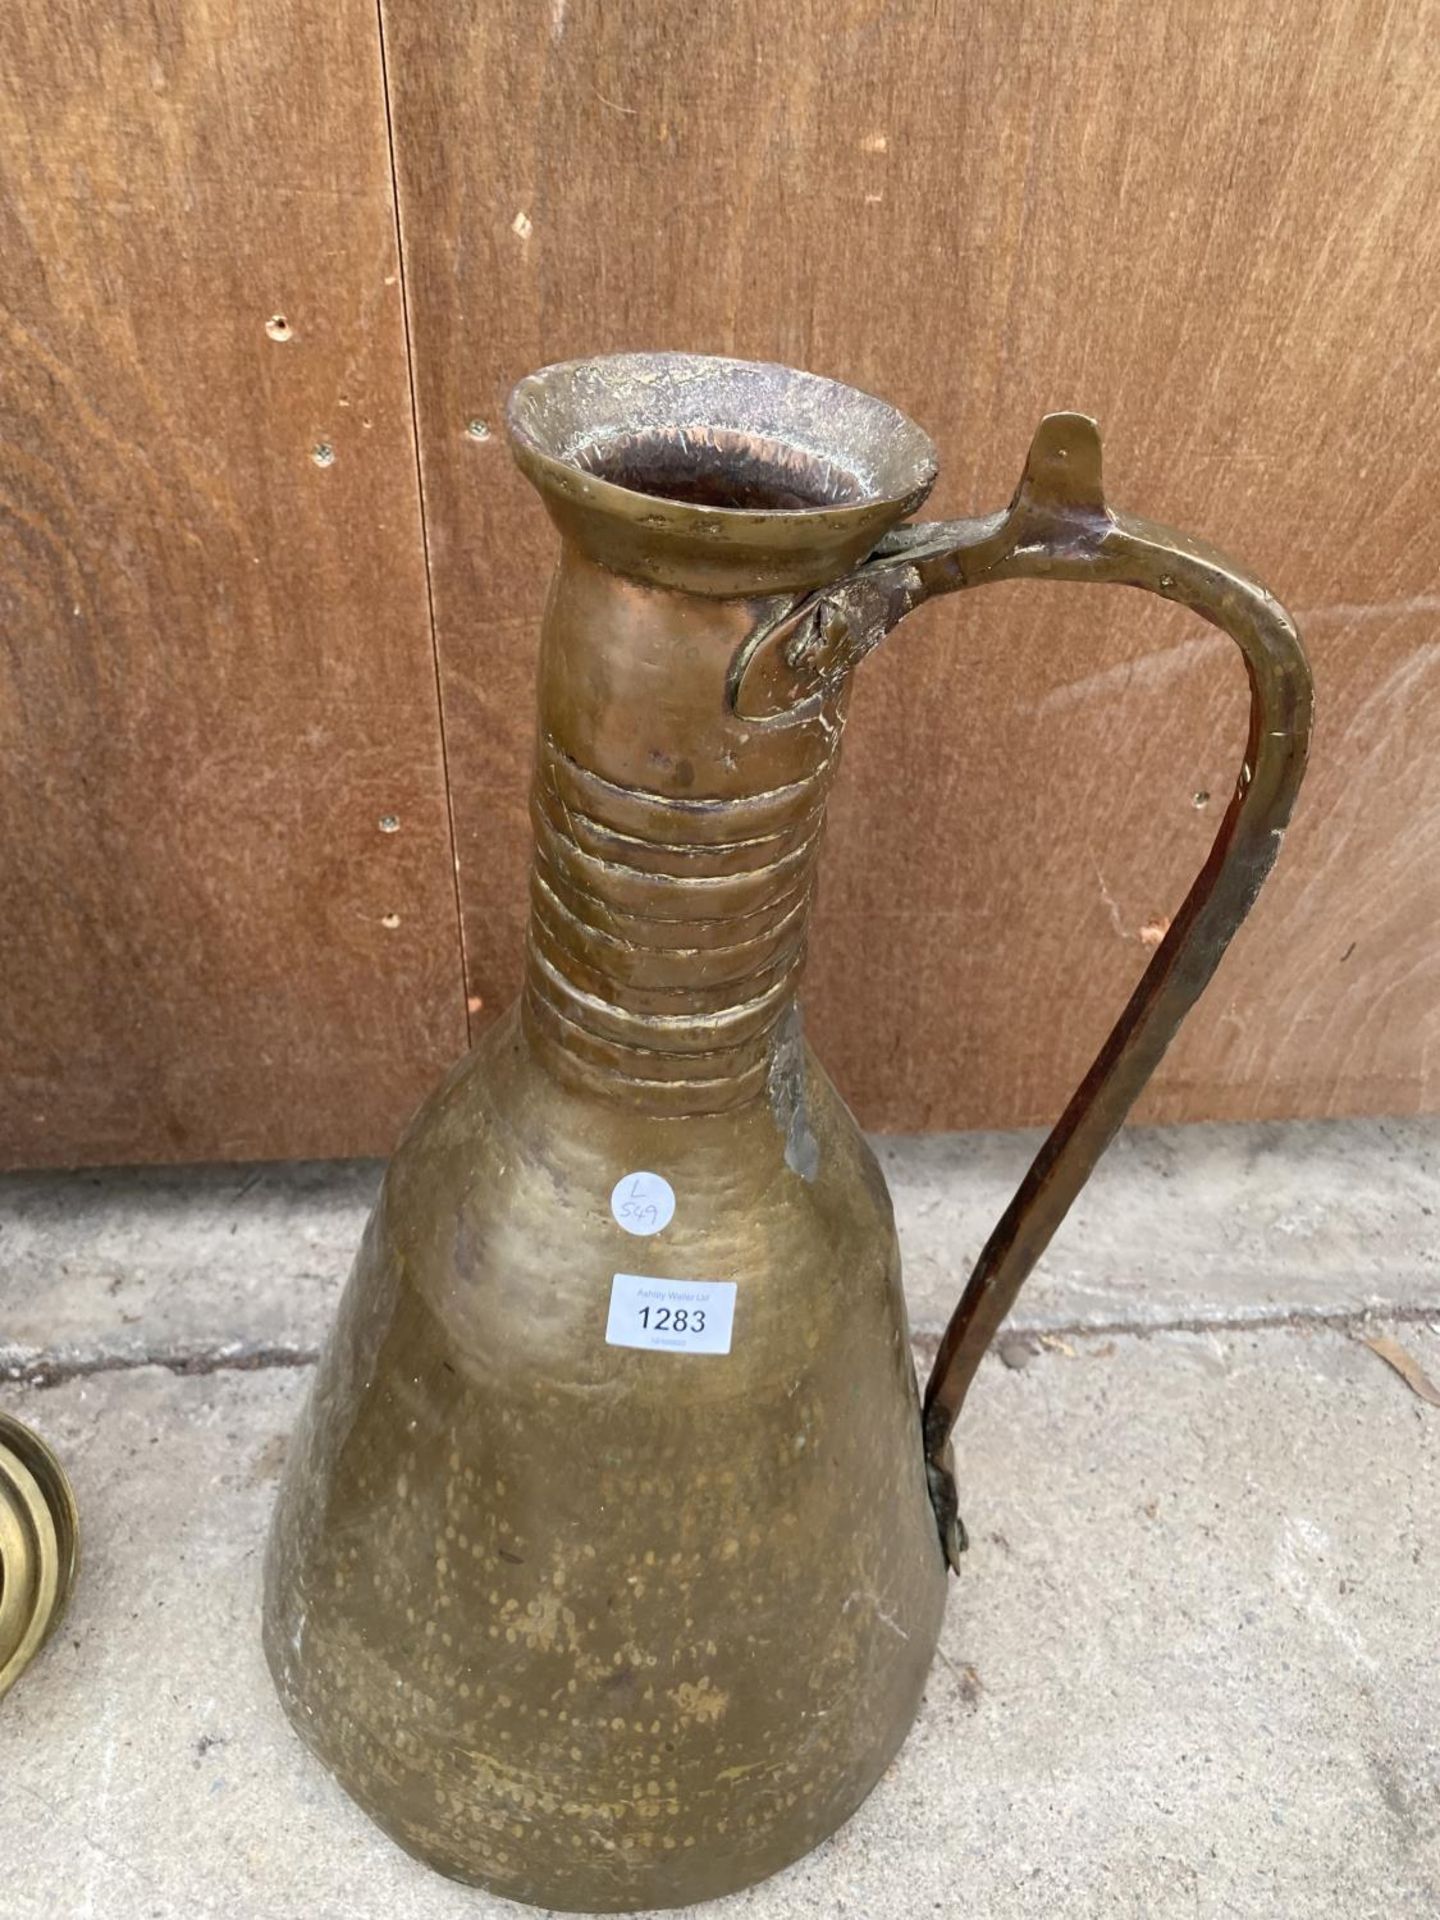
point(595, 1627)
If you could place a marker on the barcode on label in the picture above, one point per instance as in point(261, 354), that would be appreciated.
point(673, 1316)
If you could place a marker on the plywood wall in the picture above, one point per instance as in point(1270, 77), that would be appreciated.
point(217, 675)
point(1214, 225)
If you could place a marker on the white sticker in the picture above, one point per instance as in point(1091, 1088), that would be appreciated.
point(678, 1316)
point(643, 1202)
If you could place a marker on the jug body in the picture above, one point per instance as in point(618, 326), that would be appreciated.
point(603, 1627)
point(610, 1557)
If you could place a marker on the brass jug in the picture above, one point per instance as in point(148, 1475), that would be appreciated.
point(611, 1553)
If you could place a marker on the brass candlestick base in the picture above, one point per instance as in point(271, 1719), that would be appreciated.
point(39, 1547)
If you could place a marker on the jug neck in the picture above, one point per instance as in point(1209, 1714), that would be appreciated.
point(675, 848)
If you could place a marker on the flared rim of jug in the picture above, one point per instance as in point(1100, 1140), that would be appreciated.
point(717, 474)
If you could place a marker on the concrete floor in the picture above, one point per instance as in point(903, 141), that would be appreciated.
point(1192, 1667)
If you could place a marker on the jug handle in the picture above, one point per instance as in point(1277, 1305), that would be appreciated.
point(1058, 527)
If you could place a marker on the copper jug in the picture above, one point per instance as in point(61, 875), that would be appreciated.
point(611, 1554)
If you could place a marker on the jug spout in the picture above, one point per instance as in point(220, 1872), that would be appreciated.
point(714, 476)
point(676, 841)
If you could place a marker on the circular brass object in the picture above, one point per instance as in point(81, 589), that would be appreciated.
point(39, 1547)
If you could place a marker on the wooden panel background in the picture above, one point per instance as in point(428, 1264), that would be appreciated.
point(217, 674)
point(1214, 224)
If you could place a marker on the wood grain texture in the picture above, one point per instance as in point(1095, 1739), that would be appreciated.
point(217, 675)
point(1214, 224)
